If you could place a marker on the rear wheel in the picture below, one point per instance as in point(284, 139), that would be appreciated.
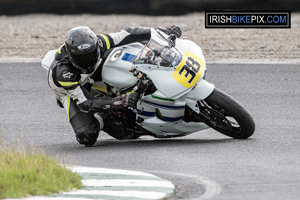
point(227, 116)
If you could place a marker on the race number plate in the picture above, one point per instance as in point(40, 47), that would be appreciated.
point(189, 70)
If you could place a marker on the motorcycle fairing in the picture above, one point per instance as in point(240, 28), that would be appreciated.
point(164, 117)
point(202, 90)
point(179, 128)
point(115, 71)
point(168, 111)
point(183, 77)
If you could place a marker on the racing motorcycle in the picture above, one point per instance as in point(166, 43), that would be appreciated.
point(175, 99)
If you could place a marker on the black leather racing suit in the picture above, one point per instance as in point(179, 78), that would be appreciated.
point(69, 85)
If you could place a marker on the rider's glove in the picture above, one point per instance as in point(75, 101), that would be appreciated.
point(125, 101)
point(175, 30)
point(130, 99)
point(117, 103)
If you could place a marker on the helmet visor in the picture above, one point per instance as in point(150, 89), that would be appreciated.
point(86, 62)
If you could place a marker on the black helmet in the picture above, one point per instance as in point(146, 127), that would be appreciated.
point(83, 49)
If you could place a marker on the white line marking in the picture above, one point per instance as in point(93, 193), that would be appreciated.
point(108, 171)
point(127, 193)
point(127, 183)
point(211, 187)
point(19, 60)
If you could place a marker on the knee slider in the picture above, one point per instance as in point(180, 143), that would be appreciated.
point(85, 126)
point(89, 132)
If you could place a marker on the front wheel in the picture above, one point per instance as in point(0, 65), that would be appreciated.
point(227, 116)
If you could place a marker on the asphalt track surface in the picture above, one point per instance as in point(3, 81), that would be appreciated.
point(266, 166)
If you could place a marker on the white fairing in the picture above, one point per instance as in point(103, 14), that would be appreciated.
point(202, 90)
point(115, 70)
point(171, 122)
point(162, 75)
point(190, 46)
point(164, 110)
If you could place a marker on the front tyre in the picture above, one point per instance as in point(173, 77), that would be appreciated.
point(227, 116)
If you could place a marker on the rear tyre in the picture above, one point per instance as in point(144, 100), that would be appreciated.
point(227, 116)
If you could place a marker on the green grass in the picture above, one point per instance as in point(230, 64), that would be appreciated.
point(29, 173)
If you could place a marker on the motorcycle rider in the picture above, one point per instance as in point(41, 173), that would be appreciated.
point(77, 65)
